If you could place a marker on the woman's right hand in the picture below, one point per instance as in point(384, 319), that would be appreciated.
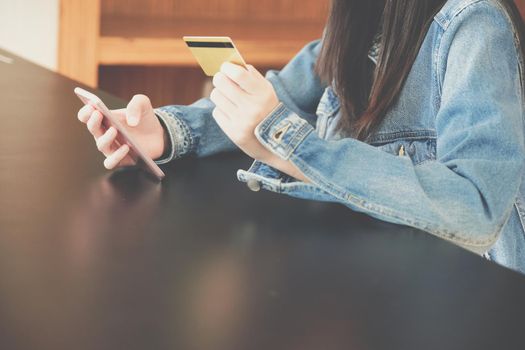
point(139, 120)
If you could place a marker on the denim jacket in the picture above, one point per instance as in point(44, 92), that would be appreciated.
point(447, 159)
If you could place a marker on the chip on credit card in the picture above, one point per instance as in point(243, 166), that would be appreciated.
point(212, 51)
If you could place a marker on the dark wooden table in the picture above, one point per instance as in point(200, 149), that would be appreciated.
point(91, 260)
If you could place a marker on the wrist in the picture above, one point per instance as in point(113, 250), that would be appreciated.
point(165, 141)
point(163, 151)
point(162, 139)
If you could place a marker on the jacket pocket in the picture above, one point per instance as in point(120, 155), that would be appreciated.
point(418, 146)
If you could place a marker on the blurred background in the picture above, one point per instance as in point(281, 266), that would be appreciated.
point(134, 46)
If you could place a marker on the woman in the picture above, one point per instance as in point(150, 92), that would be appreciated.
point(410, 111)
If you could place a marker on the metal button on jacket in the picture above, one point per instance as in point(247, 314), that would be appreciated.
point(254, 185)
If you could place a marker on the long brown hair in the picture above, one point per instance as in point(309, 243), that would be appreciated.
point(366, 91)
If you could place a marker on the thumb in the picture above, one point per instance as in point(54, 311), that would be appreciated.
point(136, 109)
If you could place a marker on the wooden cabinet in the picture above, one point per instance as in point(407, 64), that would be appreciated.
point(132, 46)
point(521, 6)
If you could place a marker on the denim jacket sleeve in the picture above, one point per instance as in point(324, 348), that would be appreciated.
point(467, 193)
point(192, 129)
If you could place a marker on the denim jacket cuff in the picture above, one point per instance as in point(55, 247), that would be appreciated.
point(178, 134)
point(262, 177)
point(282, 131)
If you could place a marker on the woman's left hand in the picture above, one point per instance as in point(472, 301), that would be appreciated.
point(243, 98)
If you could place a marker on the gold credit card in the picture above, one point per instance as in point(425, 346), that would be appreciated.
point(212, 51)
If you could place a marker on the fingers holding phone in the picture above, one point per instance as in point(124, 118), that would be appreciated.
point(94, 124)
point(124, 135)
point(116, 155)
point(106, 138)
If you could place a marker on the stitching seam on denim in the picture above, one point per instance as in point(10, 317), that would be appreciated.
point(271, 119)
point(445, 28)
point(185, 142)
point(262, 133)
point(521, 214)
point(517, 47)
point(384, 138)
point(297, 139)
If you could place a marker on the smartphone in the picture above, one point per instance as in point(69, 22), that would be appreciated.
point(212, 51)
point(123, 137)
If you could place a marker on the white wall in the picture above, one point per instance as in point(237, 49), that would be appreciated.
point(29, 28)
